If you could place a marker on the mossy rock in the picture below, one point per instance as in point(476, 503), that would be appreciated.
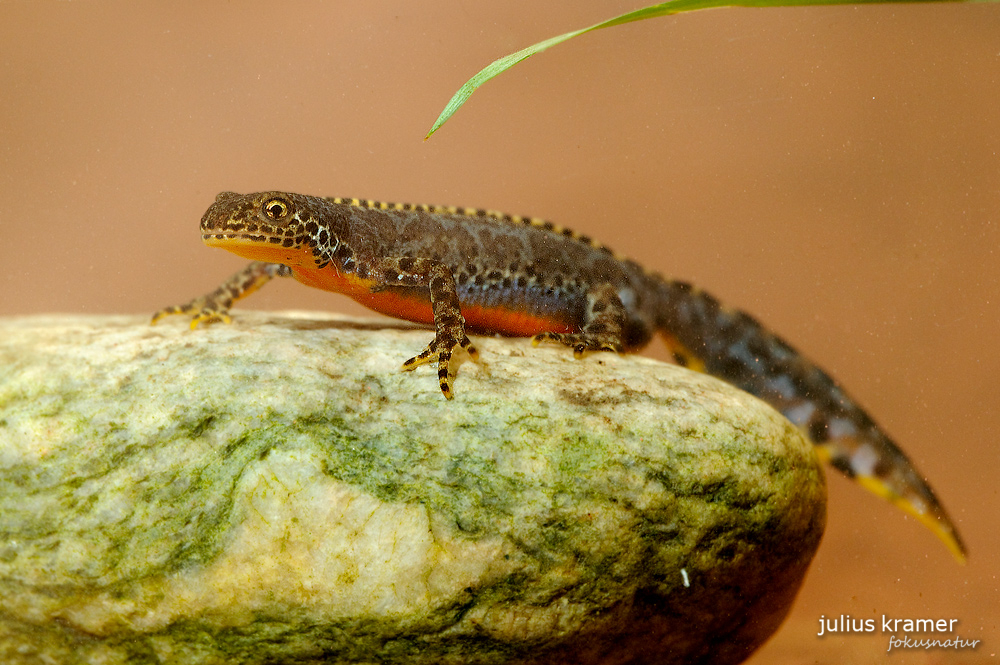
point(278, 491)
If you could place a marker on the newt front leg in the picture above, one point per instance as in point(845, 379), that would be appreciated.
point(215, 306)
point(449, 324)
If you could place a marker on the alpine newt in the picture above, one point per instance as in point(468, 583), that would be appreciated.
point(478, 270)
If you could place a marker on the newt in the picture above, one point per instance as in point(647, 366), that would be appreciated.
point(472, 270)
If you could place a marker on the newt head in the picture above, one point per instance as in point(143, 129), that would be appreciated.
point(267, 226)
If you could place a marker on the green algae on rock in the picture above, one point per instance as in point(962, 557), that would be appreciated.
point(278, 491)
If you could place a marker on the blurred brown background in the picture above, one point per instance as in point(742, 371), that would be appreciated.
point(834, 171)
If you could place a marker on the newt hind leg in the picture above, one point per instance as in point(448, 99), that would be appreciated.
point(215, 306)
point(604, 327)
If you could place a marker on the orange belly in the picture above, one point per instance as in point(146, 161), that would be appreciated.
point(414, 305)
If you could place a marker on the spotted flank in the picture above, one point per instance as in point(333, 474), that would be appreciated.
point(473, 270)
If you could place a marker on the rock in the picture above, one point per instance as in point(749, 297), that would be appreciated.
point(278, 490)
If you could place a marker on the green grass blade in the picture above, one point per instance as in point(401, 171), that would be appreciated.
point(662, 9)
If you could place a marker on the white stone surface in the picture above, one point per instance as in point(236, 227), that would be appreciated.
point(278, 490)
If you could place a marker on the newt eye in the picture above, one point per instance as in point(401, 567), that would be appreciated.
point(275, 209)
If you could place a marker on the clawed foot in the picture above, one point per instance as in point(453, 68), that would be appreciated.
point(442, 350)
point(201, 309)
point(581, 343)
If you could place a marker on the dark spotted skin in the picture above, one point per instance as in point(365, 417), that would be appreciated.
point(477, 270)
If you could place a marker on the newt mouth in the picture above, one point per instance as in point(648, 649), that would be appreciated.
point(220, 239)
point(257, 247)
point(225, 239)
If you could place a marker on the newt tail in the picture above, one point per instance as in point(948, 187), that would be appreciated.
point(733, 346)
point(465, 269)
